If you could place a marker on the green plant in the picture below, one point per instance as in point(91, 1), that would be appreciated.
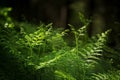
point(81, 59)
point(41, 53)
point(111, 75)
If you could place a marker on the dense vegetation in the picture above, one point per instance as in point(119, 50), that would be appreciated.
point(39, 52)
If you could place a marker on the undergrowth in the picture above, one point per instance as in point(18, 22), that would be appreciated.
point(42, 53)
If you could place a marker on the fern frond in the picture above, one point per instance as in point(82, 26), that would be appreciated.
point(100, 77)
point(111, 75)
point(92, 50)
point(49, 63)
point(64, 75)
point(83, 19)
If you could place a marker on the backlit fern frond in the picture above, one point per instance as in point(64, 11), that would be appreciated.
point(49, 63)
point(93, 49)
point(64, 76)
point(111, 75)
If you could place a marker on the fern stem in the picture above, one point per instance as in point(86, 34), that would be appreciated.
point(76, 42)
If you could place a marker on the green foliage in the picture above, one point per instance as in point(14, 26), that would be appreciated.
point(64, 75)
point(5, 18)
point(112, 75)
point(42, 53)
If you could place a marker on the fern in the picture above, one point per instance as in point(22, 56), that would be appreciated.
point(107, 76)
point(85, 60)
point(45, 54)
point(49, 63)
point(64, 75)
